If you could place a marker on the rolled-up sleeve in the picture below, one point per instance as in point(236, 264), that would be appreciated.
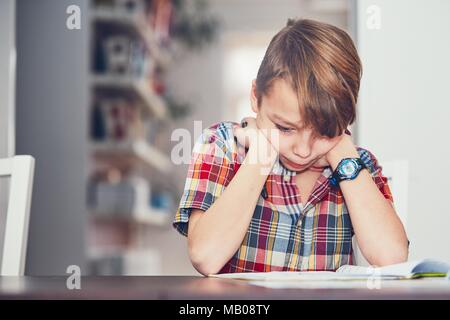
point(376, 170)
point(210, 171)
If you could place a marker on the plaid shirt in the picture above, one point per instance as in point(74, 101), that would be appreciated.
point(282, 235)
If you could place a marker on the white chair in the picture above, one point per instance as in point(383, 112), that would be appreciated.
point(396, 171)
point(21, 170)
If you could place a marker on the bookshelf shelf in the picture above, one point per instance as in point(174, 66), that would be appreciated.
point(140, 88)
point(147, 217)
point(129, 153)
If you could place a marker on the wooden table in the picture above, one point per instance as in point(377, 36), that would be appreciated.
point(191, 287)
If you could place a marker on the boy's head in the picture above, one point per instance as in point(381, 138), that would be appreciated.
point(309, 77)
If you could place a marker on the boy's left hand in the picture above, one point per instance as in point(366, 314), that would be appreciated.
point(345, 148)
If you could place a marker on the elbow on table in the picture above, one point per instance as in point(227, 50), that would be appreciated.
point(203, 262)
point(205, 268)
point(393, 256)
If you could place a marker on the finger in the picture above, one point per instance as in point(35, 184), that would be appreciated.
point(239, 135)
point(249, 121)
point(243, 136)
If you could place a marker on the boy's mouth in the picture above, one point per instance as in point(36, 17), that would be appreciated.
point(295, 165)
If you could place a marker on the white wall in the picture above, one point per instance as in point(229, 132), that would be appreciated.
point(404, 108)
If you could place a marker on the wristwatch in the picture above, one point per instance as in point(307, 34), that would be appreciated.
point(347, 169)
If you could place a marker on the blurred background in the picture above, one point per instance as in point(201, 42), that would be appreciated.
point(94, 89)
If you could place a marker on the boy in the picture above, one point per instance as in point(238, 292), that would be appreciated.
point(319, 189)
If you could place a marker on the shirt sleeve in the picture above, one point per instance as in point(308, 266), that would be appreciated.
point(210, 171)
point(376, 170)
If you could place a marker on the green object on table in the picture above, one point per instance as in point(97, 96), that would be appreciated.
point(428, 274)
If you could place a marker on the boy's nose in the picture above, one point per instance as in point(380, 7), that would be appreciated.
point(302, 151)
point(302, 147)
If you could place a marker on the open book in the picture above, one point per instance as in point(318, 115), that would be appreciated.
point(406, 270)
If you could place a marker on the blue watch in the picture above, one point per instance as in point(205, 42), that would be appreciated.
point(347, 169)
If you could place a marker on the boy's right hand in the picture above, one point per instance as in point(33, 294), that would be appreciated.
point(249, 137)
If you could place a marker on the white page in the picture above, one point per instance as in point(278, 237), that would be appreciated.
point(405, 269)
point(401, 269)
point(346, 272)
point(351, 269)
point(330, 284)
point(420, 266)
point(429, 283)
point(294, 276)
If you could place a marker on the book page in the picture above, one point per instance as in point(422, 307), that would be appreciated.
point(350, 269)
point(400, 270)
point(293, 276)
point(345, 272)
point(273, 275)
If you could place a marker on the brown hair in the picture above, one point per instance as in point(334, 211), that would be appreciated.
point(322, 65)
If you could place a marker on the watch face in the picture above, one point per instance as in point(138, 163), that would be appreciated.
point(348, 168)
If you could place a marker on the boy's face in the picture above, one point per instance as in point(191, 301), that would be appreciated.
point(299, 149)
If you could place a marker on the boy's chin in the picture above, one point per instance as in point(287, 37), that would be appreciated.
point(295, 167)
point(300, 169)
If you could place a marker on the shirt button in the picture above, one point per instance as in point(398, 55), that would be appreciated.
point(286, 178)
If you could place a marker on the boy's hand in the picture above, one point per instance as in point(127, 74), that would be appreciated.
point(244, 134)
point(345, 148)
point(249, 137)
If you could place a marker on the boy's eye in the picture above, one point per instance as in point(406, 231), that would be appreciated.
point(283, 129)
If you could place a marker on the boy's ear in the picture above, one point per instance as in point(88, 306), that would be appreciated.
point(253, 99)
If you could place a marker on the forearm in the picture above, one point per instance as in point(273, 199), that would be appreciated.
point(378, 229)
point(218, 234)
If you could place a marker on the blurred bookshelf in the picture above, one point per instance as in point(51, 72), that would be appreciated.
point(150, 101)
point(128, 185)
point(136, 23)
point(134, 153)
